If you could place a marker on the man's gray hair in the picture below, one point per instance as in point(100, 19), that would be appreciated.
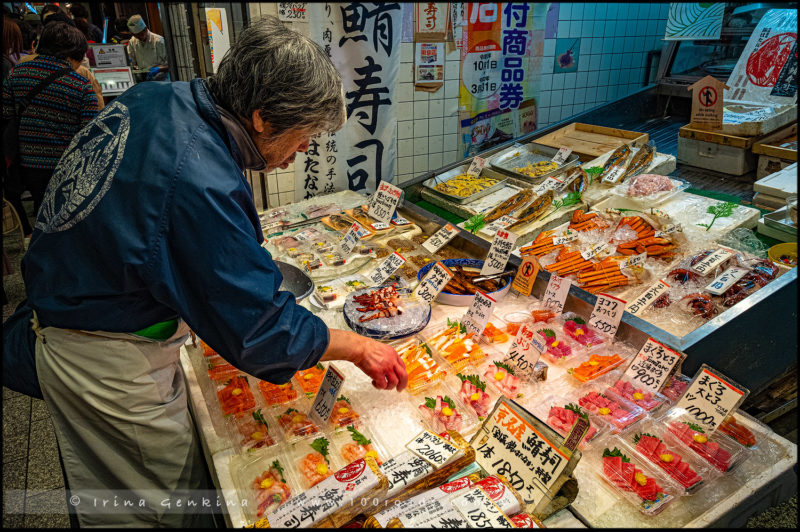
point(285, 75)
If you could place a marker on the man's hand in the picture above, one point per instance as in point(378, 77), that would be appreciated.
point(379, 361)
point(153, 71)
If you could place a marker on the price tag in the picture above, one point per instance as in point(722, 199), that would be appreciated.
point(596, 251)
point(525, 350)
point(432, 448)
point(271, 226)
point(383, 203)
point(721, 284)
point(647, 298)
point(668, 230)
point(308, 234)
point(501, 223)
point(606, 314)
point(561, 240)
point(636, 260)
point(293, 11)
point(351, 238)
point(499, 253)
point(379, 226)
point(479, 510)
point(653, 365)
point(556, 293)
point(551, 183)
point(326, 396)
point(712, 261)
point(508, 444)
point(478, 314)
point(614, 175)
point(709, 398)
point(399, 220)
point(476, 167)
point(526, 275)
point(576, 434)
point(387, 268)
point(562, 155)
point(440, 238)
point(433, 282)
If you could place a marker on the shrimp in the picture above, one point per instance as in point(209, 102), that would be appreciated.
point(353, 451)
point(271, 491)
point(314, 468)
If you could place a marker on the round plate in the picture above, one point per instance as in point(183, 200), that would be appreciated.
point(459, 300)
point(415, 317)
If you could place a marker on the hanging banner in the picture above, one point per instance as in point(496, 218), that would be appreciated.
point(363, 41)
point(694, 20)
point(218, 38)
point(430, 21)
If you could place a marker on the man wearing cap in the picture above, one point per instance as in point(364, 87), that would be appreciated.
point(147, 50)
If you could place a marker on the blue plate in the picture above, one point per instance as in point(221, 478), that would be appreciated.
point(413, 320)
point(459, 300)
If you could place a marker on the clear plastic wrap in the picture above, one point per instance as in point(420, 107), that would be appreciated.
point(719, 450)
point(598, 363)
point(257, 429)
point(577, 330)
point(454, 344)
point(354, 443)
point(385, 312)
point(474, 392)
point(314, 460)
point(220, 369)
point(422, 367)
point(235, 396)
point(442, 409)
point(607, 408)
point(346, 411)
point(265, 480)
point(277, 394)
point(675, 386)
point(309, 380)
point(744, 239)
point(653, 403)
point(561, 413)
point(503, 378)
point(294, 422)
point(650, 190)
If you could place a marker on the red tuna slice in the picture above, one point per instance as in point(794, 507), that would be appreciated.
point(723, 455)
point(648, 492)
point(647, 445)
point(612, 465)
point(619, 412)
point(628, 471)
point(712, 448)
point(590, 433)
point(660, 449)
point(586, 403)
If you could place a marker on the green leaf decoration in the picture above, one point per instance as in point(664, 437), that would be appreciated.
point(593, 172)
point(615, 452)
point(343, 398)
point(277, 466)
point(505, 367)
point(474, 380)
point(449, 402)
point(549, 333)
point(475, 223)
point(321, 446)
point(638, 436)
point(572, 198)
point(320, 367)
point(696, 428)
point(575, 408)
point(721, 210)
point(430, 403)
point(579, 321)
point(289, 411)
point(427, 349)
point(259, 417)
point(357, 436)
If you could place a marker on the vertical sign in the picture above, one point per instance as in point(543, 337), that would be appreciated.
point(218, 38)
point(384, 202)
point(556, 293)
point(499, 253)
point(326, 396)
point(478, 314)
point(363, 41)
point(526, 275)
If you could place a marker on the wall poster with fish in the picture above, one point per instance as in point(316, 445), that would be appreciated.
point(566, 59)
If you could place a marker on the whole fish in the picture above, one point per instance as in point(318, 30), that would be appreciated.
point(639, 162)
point(618, 159)
point(508, 206)
point(576, 180)
point(537, 207)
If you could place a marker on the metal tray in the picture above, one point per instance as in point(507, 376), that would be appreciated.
point(507, 160)
point(441, 178)
point(779, 220)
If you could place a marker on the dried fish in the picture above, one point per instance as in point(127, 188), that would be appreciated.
point(511, 204)
point(618, 159)
point(537, 207)
point(639, 162)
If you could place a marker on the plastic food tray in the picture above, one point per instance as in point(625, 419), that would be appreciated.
point(653, 200)
point(517, 156)
point(432, 182)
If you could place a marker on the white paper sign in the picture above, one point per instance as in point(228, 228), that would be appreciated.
point(721, 284)
point(440, 238)
point(479, 510)
point(501, 223)
point(351, 238)
point(379, 226)
point(292, 12)
point(109, 55)
point(712, 261)
point(667, 230)
point(478, 314)
point(383, 203)
point(635, 260)
point(499, 253)
point(556, 293)
point(326, 396)
point(562, 155)
point(561, 240)
point(709, 399)
point(614, 175)
point(432, 448)
point(433, 282)
point(606, 314)
point(476, 167)
point(596, 251)
point(652, 366)
point(647, 298)
point(525, 350)
point(387, 268)
point(307, 234)
point(551, 183)
point(399, 220)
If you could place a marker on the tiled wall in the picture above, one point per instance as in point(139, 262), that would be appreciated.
point(614, 41)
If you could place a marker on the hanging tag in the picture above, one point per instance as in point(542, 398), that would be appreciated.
point(596, 251)
point(607, 314)
point(526, 275)
point(710, 397)
point(351, 238)
point(556, 293)
point(387, 268)
point(433, 282)
point(384, 202)
point(562, 155)
point(551, 183)
point(476, 167)
point(440, 238)
point(614, 175)
point(647, 298)
point(499, 253)
point(668, 230)
point(326, 396)
point(478, 314)
point(561, 240)
point(652, 366)
point(721, 284)
point(712, 261)
point(630, 262)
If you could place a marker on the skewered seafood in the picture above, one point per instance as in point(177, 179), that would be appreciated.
point(384, 300)
point(536, 208)
point(508, 206)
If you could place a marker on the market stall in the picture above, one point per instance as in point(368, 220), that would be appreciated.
point(264, 447)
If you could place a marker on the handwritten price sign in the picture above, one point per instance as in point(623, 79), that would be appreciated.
point(351, 238)
point(712, 261)
point(562, 155)
point(387, 268)
point(476, 167)
point(556, 293)
point(432, 448)
point(631, 262)
point(721, 284)
point(710, 397)
point(479, 510)
point(499, 253)
point(606, 314)
point(525, 350)
point(648, 297)
point(478, 314)
point(433, 282)
point(326, 396)
point(501, 223)
point(551, 183)
point(653, 365)
point(440, 238)
point(384, 202)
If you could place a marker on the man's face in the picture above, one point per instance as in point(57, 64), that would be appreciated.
point(142, 35)
point(279, 151)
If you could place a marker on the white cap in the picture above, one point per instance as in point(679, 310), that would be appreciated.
point(136, 24)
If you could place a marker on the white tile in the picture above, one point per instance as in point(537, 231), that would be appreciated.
point(421, 128)
point(544, 99)
point(558, 82)
point(435, 161)
point(421, 96)
point(286, 197)
point(546, 82)
point(404, 110)
point(435, 126)
point(544, 116)
point(405, 73)
point(450, 125)
point(285, 183)
point(405, 165)
point(453, 56)
point(449, 157)
point(400, 179)
point(404, 92)
point(602, 94)
point(555, 98)
point(272, 183)
point(435, 108)
point(420, 163)
point(597, 43)
point(450, 106)
point(420, 145)
point(273, 201)
point(652, 27)
point(549, 47)
point(405, 147)
point(435, 143)
point(405, 129)
point(451, 71)
point(406, 52)
point(451, 88)
point(563, 26)
point(420, 110)
point(450, 142)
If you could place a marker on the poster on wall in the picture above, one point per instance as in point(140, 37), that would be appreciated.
point(430, 21)
point(429, 65)
point(363, 41)
point(218, 38)
point(500, 67)
point(694, 20)
point(566, 59)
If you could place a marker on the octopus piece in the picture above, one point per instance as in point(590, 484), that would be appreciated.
point(662, 302)
point(697, 258)
point(384, 302)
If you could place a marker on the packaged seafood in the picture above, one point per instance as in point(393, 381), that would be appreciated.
point(616, 162)
point(421, 367)
point(295, 424)
point(309, 380)
point(652, 402)
point(681, 466)
point(442, 410)
point(457, 346)
point(315, 460)
point(515, 202)
point(364, 249)
point(496, 335)
point(675, 387)
point(581, 333)
point(356, 282)
point(561, 417)
point(558, 347)
point(360, 215)
point(474, 394)
point(277, 394)
point(325, 293)
point(636, 481)
point(285, 242)
point(315, 211)
point(515, 320)
point(208, 351)
point(737, 431)
point(308, 260)
point(343, 413)
point(503, 377)
point(541, 315)
point(354, 445)
point(339, 222)
point(270, 489)
point(235, 397)
point(333, 258)
point(720, 451)
point(254, 431)
point(596, 365)
point(609, 408)
point(220, 369)
point(295, 251)
point(322, 246)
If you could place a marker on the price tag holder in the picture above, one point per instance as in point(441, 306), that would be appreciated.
point(551, 183)
point(721, 284)
point(668, 230)
point(440, 238)
point(501, 223)
point(562, 155)
point(476, 166)
point(712, 261)
point(478, 314)
point(607, 314)
point(508, 444)
point(433, 282)
point(351, 238)
point(710, 397)
point(653, 365)
point(647, 298)
point(399, 220)
point(614, 175)
point(565, 239)
point(499, 253)
point(387, 268)
point(556, 293)
point(631, 262)
point(479, 510)
point(271, 227)
point(600, 250)
point(525, 350)
point(326, 396)
point(384, 202)
point(379, 226)
point(432, 448)
point(526, 275)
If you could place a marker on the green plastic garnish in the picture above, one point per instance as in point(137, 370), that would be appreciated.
point(505, 367)
point(696, 428)
point(358, 437)
point(321, 446)
point(475, 223)
point(474, 380)
point(320, 367)
point(638, 436)
point(431, 403)
point(277, 466)
point(572, 198)
point(259, 417)
point(579, 321)
point(461, 327)
point(427, 349)
point(615, 452)
point(289, 411)
point(577, 410)
point(343, 398)
point(722, 210)
point(549, 333)
point(593, 172)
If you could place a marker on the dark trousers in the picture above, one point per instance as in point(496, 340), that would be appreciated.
point(12, 190)
point(36, 180)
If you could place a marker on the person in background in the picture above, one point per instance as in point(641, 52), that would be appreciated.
point(48, 10)
point(121, 33)
point(147, 50)
point(58, 112)
point(81, 16)
point(28, 38)
point(12, 45)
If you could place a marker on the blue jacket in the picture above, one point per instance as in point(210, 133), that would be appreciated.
point(149, 217)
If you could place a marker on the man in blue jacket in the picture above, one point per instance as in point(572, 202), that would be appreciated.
point(147, 229)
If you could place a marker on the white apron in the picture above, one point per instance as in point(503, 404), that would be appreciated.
point(118, 404)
